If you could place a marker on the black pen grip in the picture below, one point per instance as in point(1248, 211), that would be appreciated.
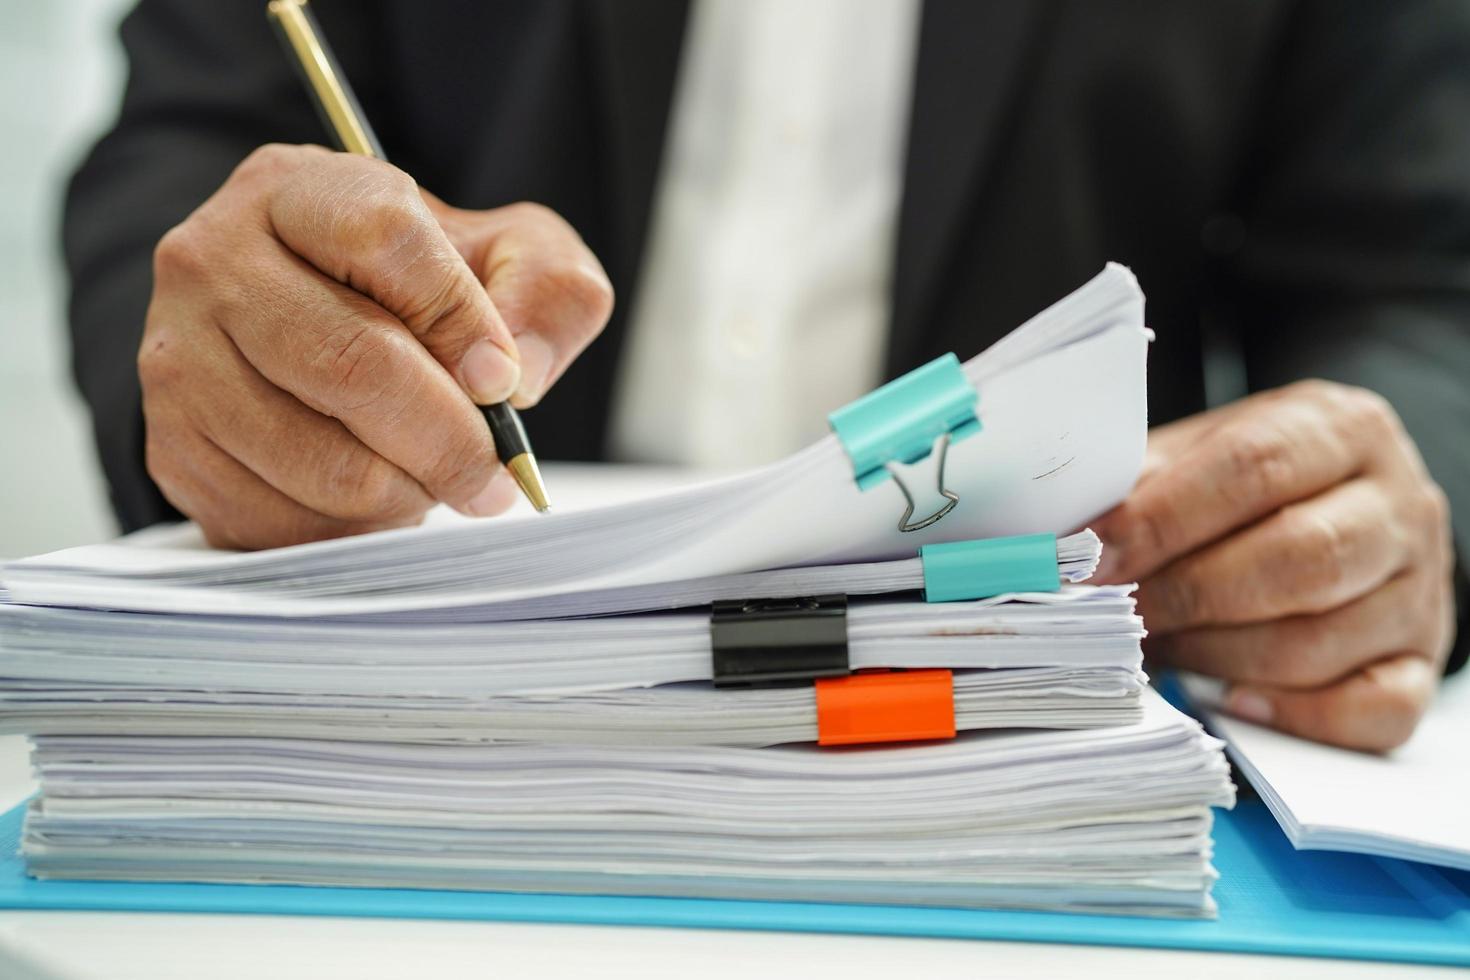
point(506, 429)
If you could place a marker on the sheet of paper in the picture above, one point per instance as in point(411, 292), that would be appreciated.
point(1412, 803)
point(1063, 403)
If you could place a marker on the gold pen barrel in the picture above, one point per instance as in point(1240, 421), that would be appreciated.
point(324, 79)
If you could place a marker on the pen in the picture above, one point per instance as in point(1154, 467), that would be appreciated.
point(339, 109)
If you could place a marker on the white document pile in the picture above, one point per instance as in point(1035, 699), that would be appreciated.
point(525, 703)
point(1063, 401)
point(1112, 820)
point(1069, 659)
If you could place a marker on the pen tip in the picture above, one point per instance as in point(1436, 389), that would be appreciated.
point(528, 477)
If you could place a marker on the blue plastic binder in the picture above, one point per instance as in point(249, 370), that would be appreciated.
point(1273, 899)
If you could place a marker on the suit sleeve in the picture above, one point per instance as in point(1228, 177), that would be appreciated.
point(1353, 256)
point(207, 83)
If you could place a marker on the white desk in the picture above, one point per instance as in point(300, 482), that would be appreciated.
point(117, 946)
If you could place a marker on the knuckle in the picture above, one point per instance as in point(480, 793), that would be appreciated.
point(273, 161)
point(268, 159)
point(459, 467)
point(179, 254)
point(1157, 530)
point(1305, 660)
point(1368, 411)
point(1319, 553)
point(589, 291)
point(366, 487)
point(371, 212)
point(1261, 461)
point(439, 313)
point(1435, 504)
point(1316, 389)
point(532, 212)
point(355, 370)
point(397, 182)
point(384, 226)
point(1179, 598)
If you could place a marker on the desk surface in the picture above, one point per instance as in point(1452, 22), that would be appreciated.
point(94, 946)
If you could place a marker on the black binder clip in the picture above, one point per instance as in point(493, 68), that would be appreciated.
point(769, 642)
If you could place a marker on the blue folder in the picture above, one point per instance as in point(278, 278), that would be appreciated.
point(1273, 899)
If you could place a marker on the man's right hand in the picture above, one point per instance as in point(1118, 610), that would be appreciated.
point(320, 333)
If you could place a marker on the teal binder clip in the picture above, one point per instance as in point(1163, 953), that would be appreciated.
point(989, 567)
point(905, 420)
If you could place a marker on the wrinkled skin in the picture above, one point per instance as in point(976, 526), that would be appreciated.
point(1294, 545)
point(320, 333)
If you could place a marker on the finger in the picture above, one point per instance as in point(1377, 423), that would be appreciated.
point(1309, 651)
point(345, 357)
point(1374, 709)
point(362, 223)
point(307, 456)
point(233, 506)
point(1263, 456)
point(1167, 442)
point(1306, 558)
point(553, 293)
point(543, 279)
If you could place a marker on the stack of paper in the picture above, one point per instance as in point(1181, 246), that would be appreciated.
point(457, 706)
point(1065, 416)
point(1069, 659)
point(1112, 820)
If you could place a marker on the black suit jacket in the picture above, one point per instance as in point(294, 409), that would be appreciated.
point(1289, 180)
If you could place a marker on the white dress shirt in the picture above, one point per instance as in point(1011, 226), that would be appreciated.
point(764, 302)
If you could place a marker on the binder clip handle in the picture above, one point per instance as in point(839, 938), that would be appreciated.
point(950, 497)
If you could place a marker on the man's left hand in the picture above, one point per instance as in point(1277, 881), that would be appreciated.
point(1294, 545)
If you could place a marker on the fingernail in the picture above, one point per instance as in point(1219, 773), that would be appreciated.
point(1107, 564)
point(489, 373)
point(1249, 705)
point(537, 359)
point(1205, 692)
point(495, 498)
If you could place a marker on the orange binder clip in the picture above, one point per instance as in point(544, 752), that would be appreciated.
point(895, 706)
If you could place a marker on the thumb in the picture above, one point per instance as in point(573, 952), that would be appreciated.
point(542, 279)
point(1374, 709)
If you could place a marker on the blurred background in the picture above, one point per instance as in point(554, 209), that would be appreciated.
point(60, 71)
